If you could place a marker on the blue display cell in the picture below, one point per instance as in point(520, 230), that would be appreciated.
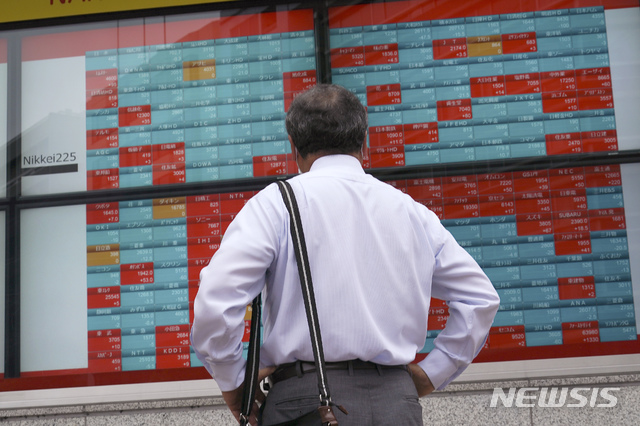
point(170, 275)
point(103, 279)
point(506, 273)
point(455, 134)
point(489, 26)
point(204, 135)
point(454, 155)
point(102, 121)
point(493, 152)
point(615, 267)
point(134, 99)
point(534, 272)
point(548, 44)
point(172, 253)
point(300, 63)
point(201, 114)
point(238, 171)
point(414, 35)
point(94, 63)
point(167, 97)
point(510, 295)
point(622, 312)
point(234, 131)
point(542, 316)
point(232, 152)
point(137, 319)
point(103, 322)
point(265, 47)
point(616, 334)
point(133, 235)
point(498, 252)
point(103, 237)
point(234, 110)
point(556, 63)
point(167, 116)
point(422, 115)
point(614, 289)
point(202, 174)
point(297, 44)
point(99, 162)
point(167, 76)
point(537, 250)
point(132, 180)
point(499, 230)
point(137, 298)
point(609, 245)
point(540, 294)
point(605, 201)
point(415, 158)
point(194, 94)
point(266, 88)
point(232, 70)
point(522, 66)
point(561, 126)
point(260, 68)
point(170, 233)
point(271, 109)
point(574, 269)
point(137, 342)
point(593, 41)
point(448, 31)
point(506, 318)
point(201, 157)
point(382, 77)
point(198, 53)
point(457, 91)
point(171, 317)
point(380, 37)
point(271, 148)
point(418, 96)
point(451, 72)
point(417, 78)
point(133, 80)
point(385, 118)
point(587, 20)
point(136, 256)
point(231, 51)
point(528, 149)
point(543, 338)
point(579, 313)
point(524, 108)
point(348, 37)
point(552, 23)
point(491, 131)
point(134, 363)
point(588, 124)
point(172, 296)
point(486, 69)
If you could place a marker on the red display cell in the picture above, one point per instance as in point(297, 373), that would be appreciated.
point(103, 179)
point(589, 99)
point(139, 115)
point(165, 174)
point(450, 48)
point(136, 273)
point(298, 81)
point(203, 247)
point(519, 43)
point(532, 205)
point(203, 205)
point(102, 99)
point(534, 224)
point(195, 266)
point(102, 79)
point(176, 357)
point(104, 340)
point(571, 221)
point(381, 54)
point(559, 101)
point(569, 200)
point(102, 138)
point(168, 153)
point(518, 84)
point(507, 340)
point(563, 143)
point(495, 183)
point(347, 57)
point(103, 213)
point(437, 320)
point(577, 336)
point(103, 297)
point(386, 136)
point(567, 247)
point(133, 156)
point(607, 219)
point(497, 205)
point(386, 94)
point(595, 180)
point(456, 109)
point(420, 133)
point(387, 157)
point(203, 226)
point(558, 81)
point(459, 186)
point(105, 362)
point(425, 189)
point(488, 86)
point(593, 78)
point(279, 167)
point(459, 208)
point(172, 336)
point(601, 140)
point(232, 202)
point(568, 178)
point(576, 288)
point(530, 181)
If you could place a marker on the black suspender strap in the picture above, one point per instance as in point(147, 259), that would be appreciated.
point(297, 234)
point(253, 362)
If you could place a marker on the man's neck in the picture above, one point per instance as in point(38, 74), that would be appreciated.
point(305, 163)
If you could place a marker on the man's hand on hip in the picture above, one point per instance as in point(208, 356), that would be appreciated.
point(420, 380)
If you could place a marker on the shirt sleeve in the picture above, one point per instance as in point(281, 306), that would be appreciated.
point(473, 303)
point(234, 277)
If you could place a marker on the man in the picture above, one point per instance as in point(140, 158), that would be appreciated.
point(377, 257)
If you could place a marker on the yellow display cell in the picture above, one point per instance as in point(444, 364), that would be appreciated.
point(169, 208)
point(199, 70)
point(108, 254)
point(484, 49)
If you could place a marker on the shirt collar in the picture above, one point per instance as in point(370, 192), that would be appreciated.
point(338, 160)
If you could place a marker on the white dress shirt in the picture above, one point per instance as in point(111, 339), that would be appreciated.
point(377, 257)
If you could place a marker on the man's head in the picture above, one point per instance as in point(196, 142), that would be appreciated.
point(327, 119)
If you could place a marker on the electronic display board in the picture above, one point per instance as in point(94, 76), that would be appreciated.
point(188, 100)
point(556, 243)
point(445, 82)
point(3, 116)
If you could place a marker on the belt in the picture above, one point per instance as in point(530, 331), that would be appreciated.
point(300, 368)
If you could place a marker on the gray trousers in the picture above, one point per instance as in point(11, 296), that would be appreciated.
point(372, 397)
